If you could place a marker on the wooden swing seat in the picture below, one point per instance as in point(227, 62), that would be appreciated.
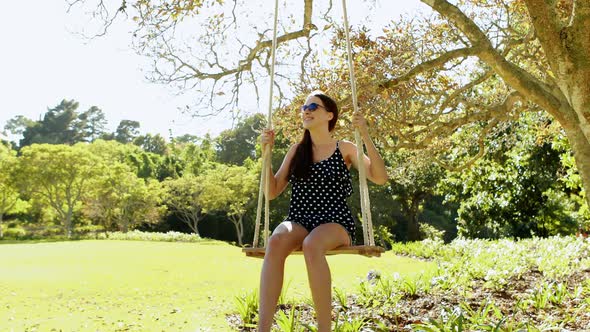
point(368, 251)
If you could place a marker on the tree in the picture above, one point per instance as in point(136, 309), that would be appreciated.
point(183, 199)
point(413, 180)
point(9, 195)
point(59, 126)
point(59, 176)
point(121, 200)
point(127, 131)
point(92, 124)
point(151, 143)
point(236, 145)
point(472, 66)
point(230, 189)
point(18, 124)
point(517, 190)
point(194, 158)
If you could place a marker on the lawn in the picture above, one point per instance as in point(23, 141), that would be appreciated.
point(104, 285)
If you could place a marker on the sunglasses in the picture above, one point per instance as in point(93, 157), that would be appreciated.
point(311, 107)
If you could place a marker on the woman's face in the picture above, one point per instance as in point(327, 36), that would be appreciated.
point(318, 118)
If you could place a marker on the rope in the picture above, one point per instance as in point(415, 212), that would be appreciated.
point(364, 192)
point(267, 157)
point(267, 153)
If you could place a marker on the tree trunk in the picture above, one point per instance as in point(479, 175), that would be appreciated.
point(581, 148)
point(237, 221)
point(1, 218)
point(195, 218)
point(195, 227)
point(68, 223)
point(413, 225)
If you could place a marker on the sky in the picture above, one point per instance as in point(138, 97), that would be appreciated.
point(44, 61)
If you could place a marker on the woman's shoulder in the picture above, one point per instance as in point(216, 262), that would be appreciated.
point(293, 147)
point(346, 146)
point(292, 150)
point(347, 149)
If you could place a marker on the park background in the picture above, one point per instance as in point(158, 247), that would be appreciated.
point(483, 129)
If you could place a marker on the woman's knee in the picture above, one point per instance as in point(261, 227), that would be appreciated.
point(278, 244)
point(312, 247)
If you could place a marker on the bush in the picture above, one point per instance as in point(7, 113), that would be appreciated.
point(431, 233)
point(146, 236)
point(16, 233)
point(86, 229)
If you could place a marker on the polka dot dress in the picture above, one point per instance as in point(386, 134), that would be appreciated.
point(321, 198)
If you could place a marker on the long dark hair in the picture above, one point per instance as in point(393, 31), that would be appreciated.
point(301, 163)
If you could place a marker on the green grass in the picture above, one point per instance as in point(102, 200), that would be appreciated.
point(100, 285)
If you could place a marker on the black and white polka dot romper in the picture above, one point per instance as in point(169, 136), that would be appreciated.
point(322, 197)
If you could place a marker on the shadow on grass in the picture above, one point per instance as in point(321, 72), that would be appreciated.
point(32, 241)
point(209, 242)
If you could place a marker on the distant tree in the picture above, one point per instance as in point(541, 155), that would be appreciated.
point(183, 199)
point(59, 176)
point(151, 143)
point(195, 158)
point(413, 180)
point(59, 126)
point(9, 195)
point(235, 145)
point(121, 200)
point(127, 131)
point(187, 138)
point(18, 125)
point(230, 189)
point(92, 124)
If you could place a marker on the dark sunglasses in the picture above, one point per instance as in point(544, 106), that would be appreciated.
point(311, 107)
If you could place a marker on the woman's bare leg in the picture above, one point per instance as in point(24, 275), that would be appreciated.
point(286, 237)
point(323, 238)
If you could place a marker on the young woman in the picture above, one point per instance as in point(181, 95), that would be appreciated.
point(319, 218)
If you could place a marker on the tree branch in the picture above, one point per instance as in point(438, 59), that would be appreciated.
point(548, 29)
point(430, 65)
point(540, 93)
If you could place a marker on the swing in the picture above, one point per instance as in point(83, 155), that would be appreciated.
point(369, 248)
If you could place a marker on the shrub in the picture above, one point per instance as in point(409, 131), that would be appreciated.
point(16, 233)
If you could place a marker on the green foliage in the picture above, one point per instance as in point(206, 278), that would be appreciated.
point(127, 131)
point(290, 322)
point(59, 176)
point(413, 180)
point(495, 262)
point(430, 232)
point(120, 200)
point(230, 189)
point(15, 232)
point(9, 196)
point(136, 235)
point(355, 324)
point(514, 192)
point(451, 320)
point(479, 316)
point(194, 158)
point(341, 298)
point(247, 307)
point(236, 145)
point(151, 143)
point(183, 199)
point(61, 125)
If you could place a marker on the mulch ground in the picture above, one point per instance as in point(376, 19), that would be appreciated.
point(572, 314)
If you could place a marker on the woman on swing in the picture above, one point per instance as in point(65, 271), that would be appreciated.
point(319, 219)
